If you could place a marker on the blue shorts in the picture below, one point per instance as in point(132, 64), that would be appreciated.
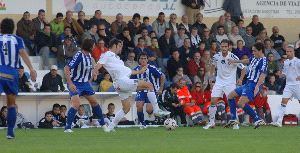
point(83, 89)
point(247, 90)
point(9, 80)
point(142, 96)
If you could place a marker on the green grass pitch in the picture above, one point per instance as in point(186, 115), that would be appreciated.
point(131, 140)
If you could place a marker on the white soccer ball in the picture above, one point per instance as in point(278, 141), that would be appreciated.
point(170, 124)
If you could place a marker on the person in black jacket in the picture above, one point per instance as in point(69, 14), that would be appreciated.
point(52, 80)
point(174, 63)
point(47, 122)
point(257, 26)
point(128, 43)
point(97, 20)
point(23, 81)
point(58, 116)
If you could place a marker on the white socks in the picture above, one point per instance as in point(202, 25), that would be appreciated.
point(212, 113)
point(117, 118)
point(153, 100)
point(281, 112)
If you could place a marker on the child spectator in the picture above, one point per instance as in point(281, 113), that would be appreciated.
point(106, 84)
point(63, 112)
point(272, 85)
point(3, 116)
point(47, 122)
point(57, 116)
point(81, 120)
point(179, 75)
point(146, 24)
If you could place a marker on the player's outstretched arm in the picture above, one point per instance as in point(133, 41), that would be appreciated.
point(243, 61)
point(26, 59)
point(141, 71)
point(96, 69)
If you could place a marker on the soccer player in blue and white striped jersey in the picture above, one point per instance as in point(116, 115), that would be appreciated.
point(153, 75)
point(78, 74)
point(256, 73)
point(11, 49)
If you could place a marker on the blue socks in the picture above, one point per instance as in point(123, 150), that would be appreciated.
point(71, 115)
point(98, 112)
point(11, 120)
point(232, 105)
point(251, 112)
point(141, 118)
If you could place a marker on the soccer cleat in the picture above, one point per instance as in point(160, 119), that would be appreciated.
point(235, 127)
point(105, 128)
point(85, 126)
point(161, 113)
point(231, 123)
point(276, 124)
point(143, 126)
point(109, 128)
point(259, 123)
point(68, 131)
point(10, 137)
point(209, 125)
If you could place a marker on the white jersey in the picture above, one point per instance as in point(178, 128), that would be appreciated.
point(114, 66)
point(291, 69)
point(226, 73)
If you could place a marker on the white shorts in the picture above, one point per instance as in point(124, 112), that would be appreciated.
point(291, 91)
point(219, 90)
point(125, 87)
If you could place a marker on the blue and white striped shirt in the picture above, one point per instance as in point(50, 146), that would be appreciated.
point(10, 46)
point(152, 74)
point(81, 67)
point(256, 67)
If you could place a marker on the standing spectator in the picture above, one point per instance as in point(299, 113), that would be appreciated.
point(156, 52)
point(134, 25)
point(106, 84)
point(82, 21)
point(186, 52)
point(46, 43)
point(3, 116)
point(195, 38)
point(47, 122)
point(57, 24)
point(174, 63)
point(199, 23)
point(131, 62)
point(127, 43)
point(40, 21)
point(76, 29)
point(192, 8)
point(173, 25)
point(194, 65)
point(23, 81)
point(257, 27)
point(65, 52)
point(185, 23)
point(220, 22)
point(52, 80)
point(142, 48)
point(144, 34)
point(160, 25)
point(26, 30)
point(207, 38)
point(248, 38)
point(242, 29)
point(179, 75)
point(166, 44)
point(180, 36)
point(272, 65)
point(103, 34)
point(118, 25)
point(146, 24)
point(235, 37)
point(91, 34)
point(241, 50)
point(99, 49)
point(221, 35)
point(233, 7)
point(269, 49)
point(97, 20)
point(228, 23)
point(277, 38)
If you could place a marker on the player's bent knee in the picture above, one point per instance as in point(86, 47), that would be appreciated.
point(232, 95)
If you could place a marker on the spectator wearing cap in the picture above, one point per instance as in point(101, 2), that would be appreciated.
point(257, 27)
point(144, 35)
point(82, 21)
point(91, 34)
point(173, 23)
point(146, 24)
point(185, 23)
point(23, 81)
point(199, 24)
point(57, 24)
point(66, 51)
point(135, 25)
point(160, 25)
point(52, 80)
point(76, 29)
point(118, 25)
point(97, 19)
point(192, 8)
point(180, 36)
point(40, 21)
point(248, 38)
point(99, 49)
point(277, 38)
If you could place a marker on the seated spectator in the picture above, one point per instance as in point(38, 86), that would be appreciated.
point(98, 19)
point(57, 24)
point(91, 34)
point(134, 25)
point(52, 80)
point(241, 50)
point(282, 50)
point(131, 62)
point(106, 84)
point(106, 36)
point(249, 38)
point(179, 75)
point(173, 25)
point(47, 122)
point(118, 25)
point(23, 81)
point(67, 34)
point(46, 43)
point(185, 23)
point(186, 51)
point(110, 115)
point(21, 120)
point(180, 36)
point(99, 49)
point(160, 25)
point(263, 35)
point(65, 52)
point(3, 116)
point(272, 85)
point(202, 77)
point(257, 26)
point(146, 24)
point(199, 23)
point(234, 36)
point(280, 81)
point(166, 44)
point(69, 21)
point(206, 61)
point(201, 48)
point(26, 30)
point(281, 62)
point(207, 38)
point(269, 49)
point(220, 35)
point(63, 111)
point(82, 21)
point(40, 21)
point(214, 27)
point(213, 48)
point(141, 47)
point(172, 104)
point(277, 38)
point(144, 35)
point(228, 23)
point(156, 52)
point(189, 107)
point(81, 120)
point(127, 43)
point(194, 65)
point(60, 119)
point(174, 63)
point(195, 38)
point(242, 29)
point(197, 97)
point(272, 65)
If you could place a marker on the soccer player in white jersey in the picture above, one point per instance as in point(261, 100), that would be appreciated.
point(291, 70)
point(11, 49)
point(78, 73)
point(226, 79)
point(122, 83)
